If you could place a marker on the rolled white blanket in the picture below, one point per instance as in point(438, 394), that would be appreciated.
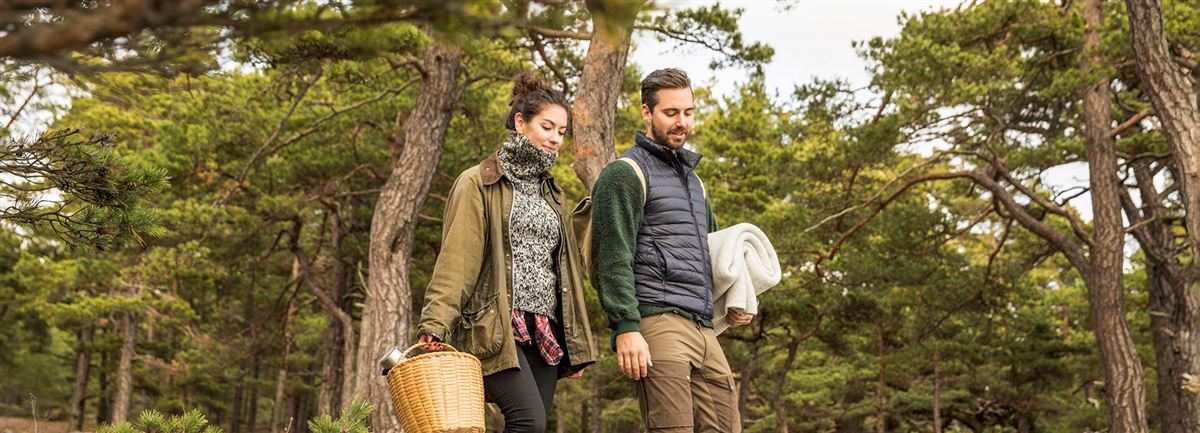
point(744, 265)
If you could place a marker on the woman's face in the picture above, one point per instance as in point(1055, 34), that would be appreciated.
point(546, 129)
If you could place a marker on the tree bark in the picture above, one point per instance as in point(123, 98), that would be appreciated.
point(1173, 325)
point(937, 391)
point(778, 401)
point(1175, 309)
point(239, 395)
point(880, 385)
point(386, 320)
point(1171, 313)
point(1123, 375)
point(597, 407)
point(337, 346)
point(595, 110)
point(850, 422)
point(252, 395)
point(104, 403)
point(1174, 98)
point(277, 411)
point(560, 417)
point(329, 393)
point(121, 401)
point(748, 373)
point(83, 364)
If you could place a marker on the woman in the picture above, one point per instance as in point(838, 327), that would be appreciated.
point(507, 286)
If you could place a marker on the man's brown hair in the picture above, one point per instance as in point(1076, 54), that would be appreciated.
point(669, 78)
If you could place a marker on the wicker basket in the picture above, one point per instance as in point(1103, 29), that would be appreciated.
point(438, 392)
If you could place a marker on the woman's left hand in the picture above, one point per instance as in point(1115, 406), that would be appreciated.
point(575, 375)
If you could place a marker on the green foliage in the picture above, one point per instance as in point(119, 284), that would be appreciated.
point(274, 165)
point(352, 420)
point(154, 422)
point(715, 28)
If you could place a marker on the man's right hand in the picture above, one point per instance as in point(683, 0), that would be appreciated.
point(429, 343)
point(633, 355)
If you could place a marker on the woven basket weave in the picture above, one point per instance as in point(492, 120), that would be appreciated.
point(438, 392)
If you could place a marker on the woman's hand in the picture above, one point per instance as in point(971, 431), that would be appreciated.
point(429, 343)
point(575, 375)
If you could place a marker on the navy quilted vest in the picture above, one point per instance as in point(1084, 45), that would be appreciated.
point(672, 267)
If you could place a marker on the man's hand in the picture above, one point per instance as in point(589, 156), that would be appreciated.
point(429, 343)
point(735, 318)
point(575, 375)
point(633, 355)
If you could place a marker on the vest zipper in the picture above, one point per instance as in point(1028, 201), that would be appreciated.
point(682, 176)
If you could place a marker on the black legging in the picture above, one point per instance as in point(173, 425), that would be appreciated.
point(525, 396)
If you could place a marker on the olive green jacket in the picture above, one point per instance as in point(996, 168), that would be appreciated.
point(468, 301)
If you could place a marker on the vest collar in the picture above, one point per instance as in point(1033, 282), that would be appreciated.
point(686, 157)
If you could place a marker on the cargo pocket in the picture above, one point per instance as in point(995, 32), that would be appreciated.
point(665, 396)
point(724, 397)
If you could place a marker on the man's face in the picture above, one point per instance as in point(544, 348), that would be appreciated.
point(671, 120)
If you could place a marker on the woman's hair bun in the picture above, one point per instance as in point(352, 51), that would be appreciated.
point(531, 95)
point(524, 83)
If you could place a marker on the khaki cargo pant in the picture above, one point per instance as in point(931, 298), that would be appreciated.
point(690, 386)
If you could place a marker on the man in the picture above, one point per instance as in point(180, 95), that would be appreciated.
point(650, 264)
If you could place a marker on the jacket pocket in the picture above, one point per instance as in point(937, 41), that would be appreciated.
point(480, 333)
point(479, 328)
point(663, 271)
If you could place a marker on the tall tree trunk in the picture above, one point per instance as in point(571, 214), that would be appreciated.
point(339, 355)
point(595, 110)
point(748, 373)
point(851, 421)
point(239, 395)
point(83, 364)
point(1170, 313)
point(277, 410)
point(252, 395)
point(1173, 95)
point(385, 320)
point(349, 357)
point(595, 410)
point(560, 417)
point(880, 385)
point(1124, 380)
point(121, 401)
point(341, 326)
point(585, 415)
point(1173, 324)
point(329, 392)
point(104, 403)
point(777, 401)
point(937, 390)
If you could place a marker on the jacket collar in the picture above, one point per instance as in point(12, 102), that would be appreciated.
point(686, 157)
point(490, 170)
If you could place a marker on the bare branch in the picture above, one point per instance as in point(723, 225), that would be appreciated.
point(557, 34)
point(1129, 123)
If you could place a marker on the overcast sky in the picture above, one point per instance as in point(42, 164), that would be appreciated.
point(811, 39)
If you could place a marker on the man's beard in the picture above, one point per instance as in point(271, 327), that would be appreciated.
point(663, 136)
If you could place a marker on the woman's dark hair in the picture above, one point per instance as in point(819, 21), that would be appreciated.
point(531, 95)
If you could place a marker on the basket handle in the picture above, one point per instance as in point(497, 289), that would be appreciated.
point(419, 344)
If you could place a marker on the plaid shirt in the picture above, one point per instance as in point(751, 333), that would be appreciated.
point(551, 352)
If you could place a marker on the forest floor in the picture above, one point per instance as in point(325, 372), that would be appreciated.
point(26, 425)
